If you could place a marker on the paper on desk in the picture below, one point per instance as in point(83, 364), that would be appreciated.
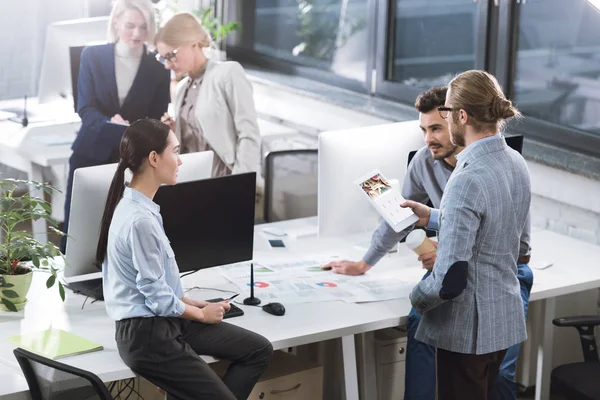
point(303, 281)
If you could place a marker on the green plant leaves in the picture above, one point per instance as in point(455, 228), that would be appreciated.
point(50, 282)
point(61, 290)
point(11, 294)
point(9, 305)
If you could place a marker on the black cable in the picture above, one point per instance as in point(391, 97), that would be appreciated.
point(209, 288)
point(84, 301)
point(242, 304)
point(189, 273)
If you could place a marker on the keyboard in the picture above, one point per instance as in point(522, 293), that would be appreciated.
point(234, 311)
point(91, 288)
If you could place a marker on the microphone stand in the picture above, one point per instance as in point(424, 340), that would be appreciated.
point(251, 301)
point(23, 121)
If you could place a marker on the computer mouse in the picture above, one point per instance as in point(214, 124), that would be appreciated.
point(274, 309)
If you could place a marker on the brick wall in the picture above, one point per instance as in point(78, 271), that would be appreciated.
point(565, 203)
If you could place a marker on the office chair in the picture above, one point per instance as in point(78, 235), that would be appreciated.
point(579, 381)
point(290, 184)
point(51, 380)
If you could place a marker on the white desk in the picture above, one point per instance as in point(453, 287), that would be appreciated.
point(45, 142)
point(572, 272)
point(13, 384)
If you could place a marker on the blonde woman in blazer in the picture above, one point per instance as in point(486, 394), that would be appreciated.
point(213, 105)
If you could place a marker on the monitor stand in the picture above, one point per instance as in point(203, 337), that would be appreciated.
point(89, 285)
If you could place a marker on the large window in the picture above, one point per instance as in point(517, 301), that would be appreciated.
point(545, 53)
point(426, 42)
point(329, 35)
point(558, 63)
point(432, 40)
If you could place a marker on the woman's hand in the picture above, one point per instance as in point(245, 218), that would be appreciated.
point(213, 312)
point(117, 119)
point(167, 120)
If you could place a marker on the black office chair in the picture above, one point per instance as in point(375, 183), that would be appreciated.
point(579, 381)
point(290, 184)
point(51, 380)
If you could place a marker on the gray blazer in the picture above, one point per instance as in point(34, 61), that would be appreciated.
point(471, 302)
point(225, 112)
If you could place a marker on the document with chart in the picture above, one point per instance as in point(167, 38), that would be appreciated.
point(296, 279)
point(386, 200)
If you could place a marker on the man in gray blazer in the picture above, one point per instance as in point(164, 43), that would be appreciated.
point(471, 303)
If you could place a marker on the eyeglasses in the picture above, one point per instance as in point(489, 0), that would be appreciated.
point(170, 56)
point(445, 110)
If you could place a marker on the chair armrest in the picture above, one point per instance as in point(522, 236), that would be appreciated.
point(585, 324)
point(577, 321)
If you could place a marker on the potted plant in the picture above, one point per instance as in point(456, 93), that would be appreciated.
point(20, 252)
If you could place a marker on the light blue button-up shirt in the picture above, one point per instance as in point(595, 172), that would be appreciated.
point(141, 277)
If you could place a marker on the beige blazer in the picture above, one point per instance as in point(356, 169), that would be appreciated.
point(226, 114)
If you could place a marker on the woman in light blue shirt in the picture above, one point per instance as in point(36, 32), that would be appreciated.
point(159, 331)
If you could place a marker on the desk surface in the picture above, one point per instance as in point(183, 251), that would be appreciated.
point(303, 323)
point(47, 139)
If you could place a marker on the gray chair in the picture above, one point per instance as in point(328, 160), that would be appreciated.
point(51, 380)
point(290, 184)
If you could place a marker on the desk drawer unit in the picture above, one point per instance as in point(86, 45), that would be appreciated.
point(391, 369)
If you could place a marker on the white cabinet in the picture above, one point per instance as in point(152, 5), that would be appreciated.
point(390, 356)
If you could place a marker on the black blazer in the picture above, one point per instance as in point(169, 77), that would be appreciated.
point(98, 100)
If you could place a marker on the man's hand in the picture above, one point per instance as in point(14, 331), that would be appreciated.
point(428, 259)
point(420, 210)
point(347, 267)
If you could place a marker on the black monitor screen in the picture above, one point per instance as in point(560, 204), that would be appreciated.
point(515, 142)
point(209, 222)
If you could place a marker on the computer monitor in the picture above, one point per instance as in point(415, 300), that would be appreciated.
point(90, 189)
point(209, 222)
point(55, 74)
point(346, 155)
point(515, 142)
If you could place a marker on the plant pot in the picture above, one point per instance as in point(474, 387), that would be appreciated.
point(21, 284)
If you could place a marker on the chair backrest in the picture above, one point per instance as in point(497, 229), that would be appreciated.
point(52, 380)
point(290, 184)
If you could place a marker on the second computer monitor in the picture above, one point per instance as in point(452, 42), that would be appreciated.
point(209, 222)
point(90, 189)
point(346, 155)
point(55, 74)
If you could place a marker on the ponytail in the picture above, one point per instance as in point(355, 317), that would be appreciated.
point(139, 140)
point(117, 187)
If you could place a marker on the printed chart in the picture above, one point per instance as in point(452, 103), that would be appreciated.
point(303, 281)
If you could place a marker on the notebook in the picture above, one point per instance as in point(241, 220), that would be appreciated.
point(55, 343)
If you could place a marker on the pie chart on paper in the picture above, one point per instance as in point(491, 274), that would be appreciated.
point(260, 285)
point(326, 284)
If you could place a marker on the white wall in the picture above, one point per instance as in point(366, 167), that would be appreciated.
point(23, 29)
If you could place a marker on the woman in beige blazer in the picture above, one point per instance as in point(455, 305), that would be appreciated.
point(213, 105)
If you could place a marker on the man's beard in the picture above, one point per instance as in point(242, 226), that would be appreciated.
point(447, 154)
point(457, 133)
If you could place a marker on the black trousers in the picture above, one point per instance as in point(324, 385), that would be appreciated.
point(467, 376)
point(165, 352)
